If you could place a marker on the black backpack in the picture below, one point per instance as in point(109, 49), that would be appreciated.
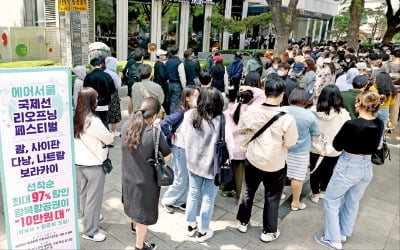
point(133, 75)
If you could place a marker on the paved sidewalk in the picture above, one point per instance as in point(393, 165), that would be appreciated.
point(377, 226)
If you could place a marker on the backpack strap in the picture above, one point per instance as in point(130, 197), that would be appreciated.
point(266, 126)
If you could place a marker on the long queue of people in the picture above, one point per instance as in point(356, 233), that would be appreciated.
point(317, 111)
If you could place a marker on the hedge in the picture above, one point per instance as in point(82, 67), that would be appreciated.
point(27, 64)
point(247, 51)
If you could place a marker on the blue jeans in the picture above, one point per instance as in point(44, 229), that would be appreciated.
point(177, 192)
point(383, 115)
point(351, 177)
point(196, 185)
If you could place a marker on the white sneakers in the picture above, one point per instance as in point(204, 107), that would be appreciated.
point(201, 237)
point(242, 227)
point(97, 237)
point(268, 237)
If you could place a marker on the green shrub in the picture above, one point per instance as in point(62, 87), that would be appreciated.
point(26, 64)
point(246, 51)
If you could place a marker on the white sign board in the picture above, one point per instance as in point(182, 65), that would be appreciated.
point(36, 158)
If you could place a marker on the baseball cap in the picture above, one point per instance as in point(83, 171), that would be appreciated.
point(218, 58)
point(327, 60)
point(298, 67)
point(361, 65)
point(360, 80)
point(161, 52)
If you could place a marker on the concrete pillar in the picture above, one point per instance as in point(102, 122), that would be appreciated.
point(156, 15)
point(329, 29)
point(207, 25)
point(184, 28)
point(308, 27)
point(321, 24)
point(122, 29)
point(313, 32)
point(244, 15)
point(228, 14)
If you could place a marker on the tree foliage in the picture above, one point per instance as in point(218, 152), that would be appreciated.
point(377, 15)
point(341, 25)
point(220, 23)
point(104, 13)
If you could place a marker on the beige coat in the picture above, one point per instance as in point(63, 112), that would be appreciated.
point(89, 150)
point(268, 152)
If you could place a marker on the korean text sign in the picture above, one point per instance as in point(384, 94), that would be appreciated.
point(36, 158)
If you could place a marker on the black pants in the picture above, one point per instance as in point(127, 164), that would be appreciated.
point(103, 115)
point(273, 184)
point(320, 178)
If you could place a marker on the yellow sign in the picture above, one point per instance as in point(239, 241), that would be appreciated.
point(79, 5)
point(63, 5)
point(152, 47)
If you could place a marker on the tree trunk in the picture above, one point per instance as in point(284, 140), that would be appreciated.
point(356, 10)
point(281, 42)
point(390, 32)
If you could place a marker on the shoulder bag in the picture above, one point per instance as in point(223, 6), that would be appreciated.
point(267, 125)
point(223, 172)
point(379, 157)
point(164, 175)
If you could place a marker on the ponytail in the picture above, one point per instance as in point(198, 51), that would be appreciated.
point(236, 114)
point(132, 137)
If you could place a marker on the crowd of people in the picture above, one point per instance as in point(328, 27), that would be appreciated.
point(319, 112)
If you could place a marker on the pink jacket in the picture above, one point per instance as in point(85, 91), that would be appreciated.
point(232, 136)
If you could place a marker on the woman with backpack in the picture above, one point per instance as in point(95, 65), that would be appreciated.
point(265, 157)
point(358, 139)
point(176, 195)
point(140, 192)
point(331, 116)
point(246, 96)
point(200, 128)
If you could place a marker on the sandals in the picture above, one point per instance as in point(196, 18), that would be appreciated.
point(302, 207)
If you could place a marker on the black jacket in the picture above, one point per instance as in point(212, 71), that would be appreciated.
point(102, 83)
point(192, 70)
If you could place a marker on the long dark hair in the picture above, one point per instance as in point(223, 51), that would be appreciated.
point(329, 98)
point(186, 92)
point(86, 104)
point(385, 86)
point(243, 97)
point(150, 106)
point(209, 105)
point(257, 57)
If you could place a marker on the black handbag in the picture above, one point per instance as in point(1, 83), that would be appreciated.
point(107, 165)
point(164, 175)
point(223, 172)
point(379, 157)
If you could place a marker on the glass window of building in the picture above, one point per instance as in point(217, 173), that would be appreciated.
point(105, 16)
point(139, 24)
point(170, 25)
point(196, 27)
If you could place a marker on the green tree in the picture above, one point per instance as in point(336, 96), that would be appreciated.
point(377, 16)
point(340, 25)
point(104, 13)
point(284, 24)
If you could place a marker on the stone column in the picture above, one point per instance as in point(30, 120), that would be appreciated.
point(244, 15)
point(308, 27)
point(156, 15)
point(228, 14)
point(207, 25)
point(329, 29)
point(321, 24)
point(122, 29)
point(183, 28)
point(313, 32)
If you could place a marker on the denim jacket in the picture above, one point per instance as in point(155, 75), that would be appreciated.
point(170, 124)
point(307, 127)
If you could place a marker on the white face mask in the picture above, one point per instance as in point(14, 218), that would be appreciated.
point(280, 73)
point(275, 66)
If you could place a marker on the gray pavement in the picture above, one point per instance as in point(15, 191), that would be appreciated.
point(377, 225)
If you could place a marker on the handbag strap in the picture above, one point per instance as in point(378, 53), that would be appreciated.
point(222, 129)
point(143, 90)
point(156, 140)
point(266, 126)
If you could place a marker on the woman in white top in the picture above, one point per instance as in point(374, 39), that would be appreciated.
point(91, 138)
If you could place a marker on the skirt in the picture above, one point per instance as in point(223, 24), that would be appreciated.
point(114, 108)
point(297, 165)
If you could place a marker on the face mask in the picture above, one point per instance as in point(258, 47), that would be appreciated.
point(280, 73)
point(275, 66)
point(348, 60)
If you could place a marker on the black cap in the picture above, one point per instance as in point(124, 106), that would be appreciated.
point(360, 81)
